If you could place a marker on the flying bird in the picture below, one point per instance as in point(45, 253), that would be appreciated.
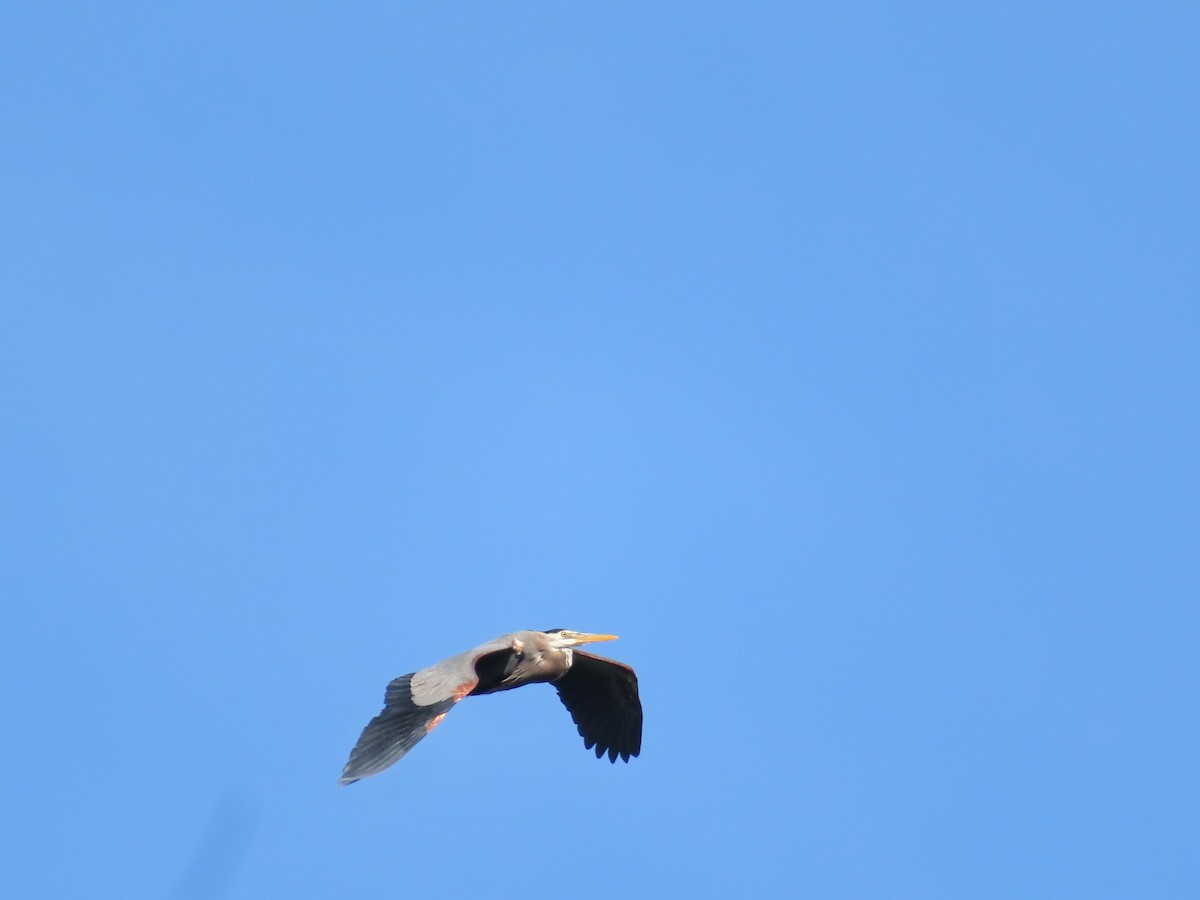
point(601, 695)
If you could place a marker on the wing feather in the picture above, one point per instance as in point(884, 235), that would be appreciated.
point(413, 705)
point(393, 732)
point(602, 698)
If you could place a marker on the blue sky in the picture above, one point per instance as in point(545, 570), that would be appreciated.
point(840, 357)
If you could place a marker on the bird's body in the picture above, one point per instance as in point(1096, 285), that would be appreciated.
point(600, 694)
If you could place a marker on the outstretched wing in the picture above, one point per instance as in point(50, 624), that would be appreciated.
point(602, 697)
point(393, 732)
point(413, 705)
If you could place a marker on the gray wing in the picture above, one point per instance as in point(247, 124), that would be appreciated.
point(413, 705)
point(602, 697)
point(393, 732)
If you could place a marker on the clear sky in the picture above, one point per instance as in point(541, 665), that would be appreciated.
point(841, 357)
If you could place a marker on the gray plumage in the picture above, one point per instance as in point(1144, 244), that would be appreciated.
point(600, 694)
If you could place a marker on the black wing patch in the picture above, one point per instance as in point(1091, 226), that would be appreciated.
point(393, 732)
point(602, 697)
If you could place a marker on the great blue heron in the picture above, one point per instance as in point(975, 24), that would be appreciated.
point(601, 695)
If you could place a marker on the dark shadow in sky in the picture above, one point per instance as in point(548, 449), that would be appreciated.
point(220, 851)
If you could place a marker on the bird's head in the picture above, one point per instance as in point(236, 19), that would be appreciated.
point(561, 638)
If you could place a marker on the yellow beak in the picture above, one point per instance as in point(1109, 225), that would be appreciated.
point(582, 638)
